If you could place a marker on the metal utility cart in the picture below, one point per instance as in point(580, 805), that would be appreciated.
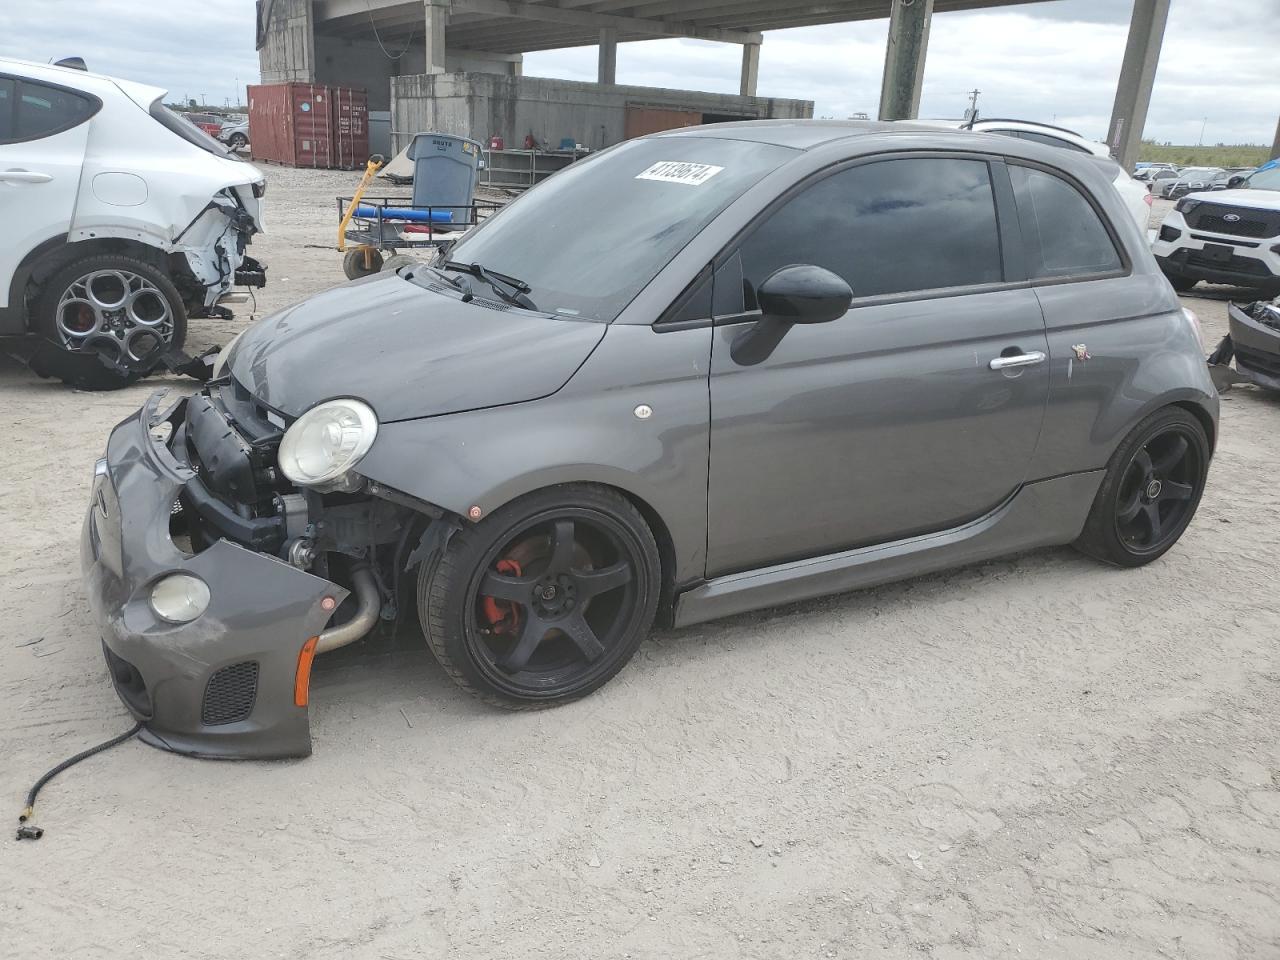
point(441, 207)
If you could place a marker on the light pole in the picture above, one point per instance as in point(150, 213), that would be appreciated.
point(1203, 123)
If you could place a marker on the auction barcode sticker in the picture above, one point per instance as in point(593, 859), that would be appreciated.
point(676, 171)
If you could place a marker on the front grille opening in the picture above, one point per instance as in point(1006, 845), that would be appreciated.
point(230, 694)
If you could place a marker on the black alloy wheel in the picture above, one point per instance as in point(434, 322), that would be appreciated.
point(1151, 490)
point(1158, 490)
point(536, 606)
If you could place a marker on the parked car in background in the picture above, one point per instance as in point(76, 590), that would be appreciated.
point(122, 220)
point(799, 357)
point(1188, 181)
point(1225, 236)
point(235, 134)
point(210, 123)
point(1154, 171)
point(1223, 180)
point(1159, 179)
point(1135, 195)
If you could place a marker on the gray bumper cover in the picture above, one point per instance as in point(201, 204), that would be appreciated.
point(261, 611)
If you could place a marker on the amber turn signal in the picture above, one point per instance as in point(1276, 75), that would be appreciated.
point(302, 680)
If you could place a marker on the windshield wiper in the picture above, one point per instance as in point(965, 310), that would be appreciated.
point(510, 289)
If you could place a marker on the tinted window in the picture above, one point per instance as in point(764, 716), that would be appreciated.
point(6, 109)
point(43, 111)
point(1064, 235)
point(886, 227)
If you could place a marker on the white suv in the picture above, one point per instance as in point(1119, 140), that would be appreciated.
point(121, 221)
point(1225, 236)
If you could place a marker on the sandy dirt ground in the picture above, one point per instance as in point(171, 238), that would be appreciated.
point(1034, 757)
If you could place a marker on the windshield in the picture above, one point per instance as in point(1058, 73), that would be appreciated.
point(590, 238)
point(189, 131)
point(1200, 173)
point(1266, 179)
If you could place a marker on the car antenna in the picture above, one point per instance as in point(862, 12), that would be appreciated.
point(75, 63)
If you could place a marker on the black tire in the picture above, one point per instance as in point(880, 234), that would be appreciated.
point(1182, 284)
point(526, 649)
point(1150, 492)
point(63, 356)
point(238, 141)
point(354, 263)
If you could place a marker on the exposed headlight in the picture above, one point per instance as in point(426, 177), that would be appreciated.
point(220, 361)
point(327, 441)
point(180, 598)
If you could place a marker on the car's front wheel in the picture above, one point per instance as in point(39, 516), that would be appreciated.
point(112, 308)
point(238, 141)
point(545, 600)
point(1150, 492)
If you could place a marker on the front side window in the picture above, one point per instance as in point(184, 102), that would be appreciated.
point(892, 226)
point(1265, 179)
point(1063, 232)
point(32, 111)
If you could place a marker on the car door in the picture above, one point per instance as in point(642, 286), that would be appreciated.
point(43, 134)
point(917, 410)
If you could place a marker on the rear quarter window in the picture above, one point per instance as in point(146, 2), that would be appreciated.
point(1063, 233)
point(32, 111)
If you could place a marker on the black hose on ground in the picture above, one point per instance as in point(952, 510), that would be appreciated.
point(28, 832)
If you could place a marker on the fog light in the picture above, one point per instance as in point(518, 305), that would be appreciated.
point(180, 598)
point(1169, 234)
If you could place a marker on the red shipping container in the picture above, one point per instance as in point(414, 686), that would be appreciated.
point(309, 125)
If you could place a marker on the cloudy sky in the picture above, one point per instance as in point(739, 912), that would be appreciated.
point(1055, 61)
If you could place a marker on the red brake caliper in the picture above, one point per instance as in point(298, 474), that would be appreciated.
point(503, 615)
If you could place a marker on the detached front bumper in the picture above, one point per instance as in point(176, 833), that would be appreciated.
point(226, 684)
point(1256, 346)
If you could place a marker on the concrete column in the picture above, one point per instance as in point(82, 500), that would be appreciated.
point(436, 19)
point(904, 59)
point(1137, 76)
point(608, 55)
point(1275, 147)
point(750, 69)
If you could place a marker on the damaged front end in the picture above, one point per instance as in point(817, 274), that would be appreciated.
point(215, 581)
point(1253, 341)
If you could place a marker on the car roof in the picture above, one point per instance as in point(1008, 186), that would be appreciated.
point(97, 83)
point(804, 134)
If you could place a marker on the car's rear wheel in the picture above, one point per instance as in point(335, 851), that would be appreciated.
point(1151, 490)
point(107, 306)
point(361, 262)
point(238, 141)
point(1182, 284)
point(545, 600)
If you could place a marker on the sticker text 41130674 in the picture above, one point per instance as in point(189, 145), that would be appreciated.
point(678, 171)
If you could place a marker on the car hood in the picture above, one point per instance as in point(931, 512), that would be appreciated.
point(407, 351)
point(1253, 199)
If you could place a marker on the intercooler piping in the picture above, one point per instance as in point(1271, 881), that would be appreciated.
point(370, 603)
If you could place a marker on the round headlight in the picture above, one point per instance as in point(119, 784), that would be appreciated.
point(327, 441)
point(180, 598)
point(220, 362)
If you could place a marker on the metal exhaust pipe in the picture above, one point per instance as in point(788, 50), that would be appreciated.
point(370, 603)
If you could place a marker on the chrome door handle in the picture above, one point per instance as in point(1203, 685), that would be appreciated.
point(24, 176)
point(1018, 360)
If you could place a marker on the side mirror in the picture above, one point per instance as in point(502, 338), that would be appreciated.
point(801, 293)
point(1236, 182)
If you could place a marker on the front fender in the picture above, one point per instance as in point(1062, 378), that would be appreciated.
point(588, 432)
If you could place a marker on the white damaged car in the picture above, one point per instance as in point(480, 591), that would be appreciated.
point(120, 221)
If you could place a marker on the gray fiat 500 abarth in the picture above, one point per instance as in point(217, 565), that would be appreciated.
point(702, 372)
